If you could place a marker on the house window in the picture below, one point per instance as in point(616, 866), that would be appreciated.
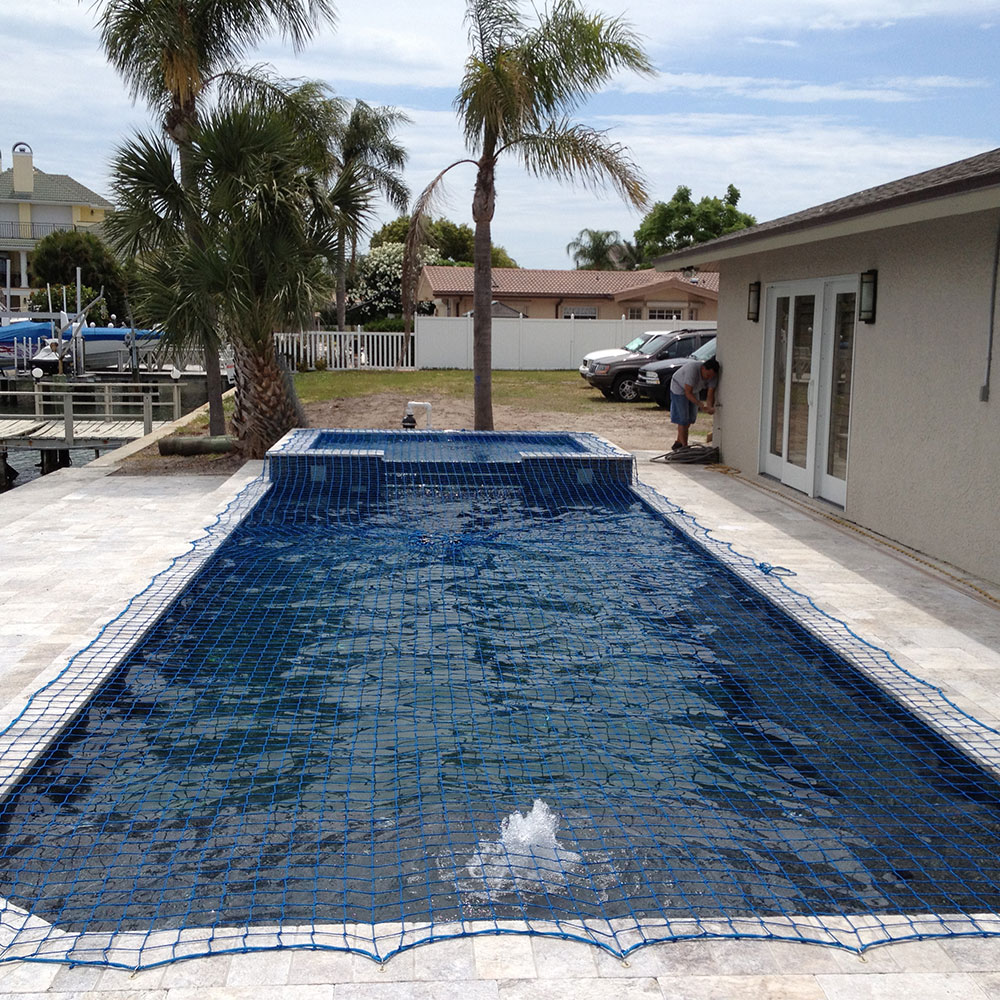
point(580, 312)
point(664, 312)
point(635, 312)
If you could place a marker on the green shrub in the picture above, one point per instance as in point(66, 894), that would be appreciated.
point(391, 324)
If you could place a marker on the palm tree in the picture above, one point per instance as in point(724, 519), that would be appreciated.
point(368, 146)
point(625, 256)
point(259, 184)
point(521, 82)
point(595, 249)
point(170, 51)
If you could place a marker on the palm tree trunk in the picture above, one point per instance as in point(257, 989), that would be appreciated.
point(180, 133)
point(342, 281)
point(483, 204)
point(265, 409)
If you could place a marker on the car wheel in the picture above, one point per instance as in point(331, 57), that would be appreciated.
point(625, 389)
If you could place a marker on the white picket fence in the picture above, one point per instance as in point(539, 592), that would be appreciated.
point(446, 342)
point(343, 349)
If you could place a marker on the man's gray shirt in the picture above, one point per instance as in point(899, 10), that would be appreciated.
point(690, 374)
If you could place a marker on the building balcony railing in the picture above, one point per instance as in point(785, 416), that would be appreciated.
point(31, 230)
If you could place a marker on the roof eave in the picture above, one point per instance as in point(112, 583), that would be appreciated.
point(898, 211)
point(660, 287)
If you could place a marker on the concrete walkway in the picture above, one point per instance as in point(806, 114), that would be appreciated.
point(76, 545)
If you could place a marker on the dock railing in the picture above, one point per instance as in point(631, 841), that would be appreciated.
point(106, 403)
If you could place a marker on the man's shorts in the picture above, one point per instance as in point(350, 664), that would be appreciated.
point(682, 410)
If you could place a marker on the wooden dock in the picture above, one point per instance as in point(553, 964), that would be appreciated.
point(86, 415)
point(45, 433)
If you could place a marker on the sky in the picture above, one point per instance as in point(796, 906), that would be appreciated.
point(795, 102)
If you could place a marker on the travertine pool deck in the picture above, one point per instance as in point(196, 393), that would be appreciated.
point(76, 545)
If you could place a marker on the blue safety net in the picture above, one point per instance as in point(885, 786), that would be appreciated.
point(418, 685)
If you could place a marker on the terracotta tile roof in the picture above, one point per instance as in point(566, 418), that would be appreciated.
point(963, 176)
point(59, 188)
point(578, 284)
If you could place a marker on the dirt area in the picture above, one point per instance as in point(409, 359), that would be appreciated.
point(632, 426)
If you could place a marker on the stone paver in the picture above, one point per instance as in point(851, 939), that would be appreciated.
point(76, 545)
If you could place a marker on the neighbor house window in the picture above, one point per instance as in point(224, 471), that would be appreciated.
point(664, 312)
point(580, 312)
point(635, 312)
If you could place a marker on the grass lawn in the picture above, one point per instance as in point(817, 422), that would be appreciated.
point(555, 391)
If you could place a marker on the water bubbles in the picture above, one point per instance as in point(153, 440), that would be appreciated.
point(528, 855)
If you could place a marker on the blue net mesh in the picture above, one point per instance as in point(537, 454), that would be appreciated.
point(415, 685)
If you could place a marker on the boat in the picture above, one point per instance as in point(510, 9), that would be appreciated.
point(36, 344)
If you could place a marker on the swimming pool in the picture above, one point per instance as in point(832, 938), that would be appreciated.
point(432, 697)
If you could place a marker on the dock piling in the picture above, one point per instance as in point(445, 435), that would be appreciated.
point(68, 417)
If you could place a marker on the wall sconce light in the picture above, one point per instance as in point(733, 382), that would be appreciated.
point(869, 293)
point(753, 301)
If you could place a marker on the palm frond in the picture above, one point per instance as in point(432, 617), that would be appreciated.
point(572, 53)
point(151, 204)
point(172, 48)
point(580, 153)
point(492, 24)
point(496, 99)
point(367, 143)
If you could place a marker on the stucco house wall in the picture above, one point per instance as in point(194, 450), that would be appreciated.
point(924, 461)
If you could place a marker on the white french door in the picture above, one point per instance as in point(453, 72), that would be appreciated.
point(808, 367)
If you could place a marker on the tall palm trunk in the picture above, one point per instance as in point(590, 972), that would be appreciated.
point(483, 205)
point(342, 280)
point(178, 127)
point(265, 409)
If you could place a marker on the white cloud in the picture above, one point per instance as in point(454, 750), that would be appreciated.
point(780, 164)
point(786, 43)
point(74, 110)
point(891, 91)
point(736, 18)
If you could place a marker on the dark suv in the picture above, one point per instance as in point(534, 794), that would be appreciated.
point(654, 379)
point(616, 378)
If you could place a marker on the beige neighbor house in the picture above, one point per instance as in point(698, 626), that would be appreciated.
point(535, 294)
point(859, 355)
point(32, 205)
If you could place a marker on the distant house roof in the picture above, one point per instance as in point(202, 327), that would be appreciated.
point(526, 282)
point(964, 177)
point(51, 188)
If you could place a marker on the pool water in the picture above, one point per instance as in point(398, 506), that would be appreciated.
point(442, 702)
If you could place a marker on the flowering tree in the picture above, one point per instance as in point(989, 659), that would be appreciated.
point(378, 291)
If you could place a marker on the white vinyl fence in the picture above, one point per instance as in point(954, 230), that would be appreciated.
point(530, 344)
point(343, 349)
point(446, 342)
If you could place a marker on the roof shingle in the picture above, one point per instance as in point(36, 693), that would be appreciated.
point(58, 188)
point(446, 280)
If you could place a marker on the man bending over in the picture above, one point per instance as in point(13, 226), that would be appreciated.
point(685, 395)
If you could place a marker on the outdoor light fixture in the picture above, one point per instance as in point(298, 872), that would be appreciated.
point(753, 301)
point(869, 293)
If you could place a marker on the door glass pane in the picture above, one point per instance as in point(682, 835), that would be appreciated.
point(778, 376)
point(801, 373)
point(840, 391)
